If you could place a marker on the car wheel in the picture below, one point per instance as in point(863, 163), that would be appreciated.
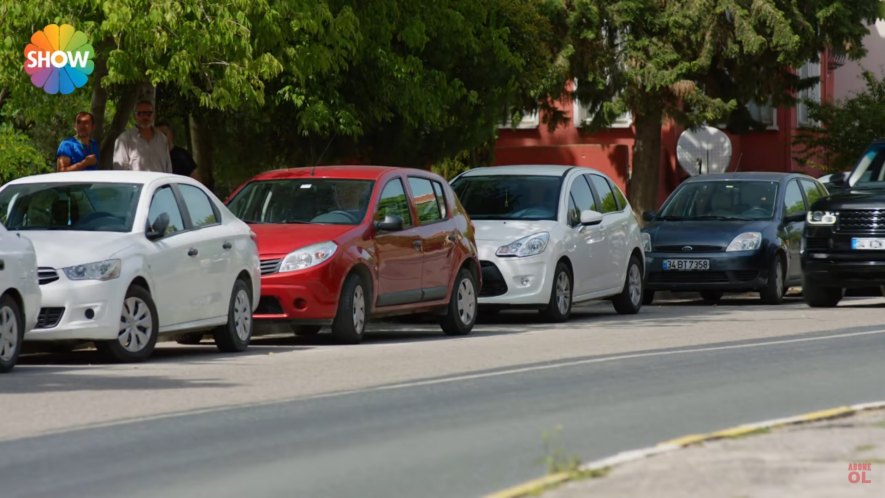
point(648, 296)
point(137, 335)
point(629, 301)
point(12, 332)
point(306, 329)
point(559, 308)
point(711, 296)
point(773, 293)
point(190, 339)
point(818, 296)
point(350, 320)
point(234, 336)
point(462, 308)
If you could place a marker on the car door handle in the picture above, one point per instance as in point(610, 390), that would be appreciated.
point(192, 252)
point(417, 244)
point(227, 245)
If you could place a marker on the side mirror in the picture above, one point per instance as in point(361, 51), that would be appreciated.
point(390, 223)
point(590, 217)
point(648, 216)
point(792, 218)
point(158, 229)
point(838, 179)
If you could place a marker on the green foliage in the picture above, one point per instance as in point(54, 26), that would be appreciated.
point(846, 128)
point(18, 156)
point(555, 459)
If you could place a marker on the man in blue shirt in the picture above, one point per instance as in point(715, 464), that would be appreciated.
point(79, 152)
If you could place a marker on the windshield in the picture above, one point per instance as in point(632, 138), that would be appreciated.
point(89, 207)
point(869, 172)
point(722, 200)
point(509, 197)
point(303, 200)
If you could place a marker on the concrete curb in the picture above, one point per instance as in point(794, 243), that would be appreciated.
point(535, 487)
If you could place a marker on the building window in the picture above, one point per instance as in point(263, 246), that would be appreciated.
point(763, 113)
point(528, 121)
point(582, 116)
point(809, 70)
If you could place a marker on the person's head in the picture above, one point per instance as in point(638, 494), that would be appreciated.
point(144, 114)
point(84, 123)
point(166, 130)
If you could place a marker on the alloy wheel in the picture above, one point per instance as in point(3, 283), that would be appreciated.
point(563, 293)
point(8, 333)
point(359, 309)
point(243, 315)
point(466, 301)
point(634, 285)
point(136, 325)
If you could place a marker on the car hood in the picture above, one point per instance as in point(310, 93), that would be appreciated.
point(278, 239)
point(61, 248)
point(852, 199)
point(701, 232)
point(509, 230)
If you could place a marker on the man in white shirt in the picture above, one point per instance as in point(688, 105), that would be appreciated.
point(142, 148)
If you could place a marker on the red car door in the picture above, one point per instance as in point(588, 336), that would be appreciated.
point(437, 234)
point(398, 253)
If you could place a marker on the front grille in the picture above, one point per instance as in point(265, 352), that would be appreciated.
point(866, 220)
point(270, 266)
point(46, 275)
point(694, 248)
point(817, 243)
point(49, 317)
point(268, 306)
point(493, 283)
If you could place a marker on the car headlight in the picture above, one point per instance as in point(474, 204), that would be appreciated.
point(308, 256)
point(526, 246)
point(646, 242)
point(747, 241)
point(100, 270)
point(821, 218)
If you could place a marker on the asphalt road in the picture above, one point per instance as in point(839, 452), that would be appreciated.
point(463, 427)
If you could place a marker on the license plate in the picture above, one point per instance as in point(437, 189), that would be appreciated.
point(867, 244)
point(686, 264)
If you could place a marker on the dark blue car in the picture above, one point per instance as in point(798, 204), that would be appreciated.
point(730, 232)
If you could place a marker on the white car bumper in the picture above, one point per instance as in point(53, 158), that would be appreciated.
point(527, 279)
point(77, 301)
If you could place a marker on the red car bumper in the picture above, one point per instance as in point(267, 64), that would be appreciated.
point(307, 296)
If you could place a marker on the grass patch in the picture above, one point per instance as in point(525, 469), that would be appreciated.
point(865, 447)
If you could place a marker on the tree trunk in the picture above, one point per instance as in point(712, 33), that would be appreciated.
point(4, 93)
point(201, 147)
point(643, 189)
point(99, 92)
point(125, 105)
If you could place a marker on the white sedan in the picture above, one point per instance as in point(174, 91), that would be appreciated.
point(550, 236)
point(127, 256)
point(19, 295)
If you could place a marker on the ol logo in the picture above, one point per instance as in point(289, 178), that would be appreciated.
point(58, 59)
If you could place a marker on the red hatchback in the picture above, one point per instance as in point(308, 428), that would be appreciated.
point(342, 244)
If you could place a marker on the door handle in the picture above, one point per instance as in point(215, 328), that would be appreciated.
point(417, 244)
point(192, 252)
point(227, 245)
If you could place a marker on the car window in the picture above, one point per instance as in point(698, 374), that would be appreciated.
point(425, 200)
point(793, 202)
point(509, 197)
point(721, 199)
point(198, 205)
point(580, 199)
point(394, 202)
point(78, 206)
point(303, 200)
point(622, 201)
point(164, 202)
point(440, 198)
point(813, 191)
point(607, 199)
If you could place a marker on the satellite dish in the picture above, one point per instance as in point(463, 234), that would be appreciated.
point(703, 151)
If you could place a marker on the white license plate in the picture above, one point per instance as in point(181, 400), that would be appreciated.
point(686, 264)
point(867, 244)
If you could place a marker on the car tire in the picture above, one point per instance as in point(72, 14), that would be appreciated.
point(190, 339)
point(629, 301)
point(139, 326)
point(711, 296)
point(301, 330)
point(463, 306)
point(12, 332)
point(818, 296)
point(773, 292)
point(235, 335)
point(559, 307)
point(648, 296)
point(353, 311)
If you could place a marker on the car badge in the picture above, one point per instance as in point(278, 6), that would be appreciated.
point(687, 248)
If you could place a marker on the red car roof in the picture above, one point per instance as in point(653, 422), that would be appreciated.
point(349, 172)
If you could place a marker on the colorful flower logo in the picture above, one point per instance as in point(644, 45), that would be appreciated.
point(58, 59)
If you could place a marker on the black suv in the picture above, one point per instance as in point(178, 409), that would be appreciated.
point(843, 245)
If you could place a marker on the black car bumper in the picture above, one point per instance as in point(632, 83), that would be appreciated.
point(846, 270)
point(736, 271)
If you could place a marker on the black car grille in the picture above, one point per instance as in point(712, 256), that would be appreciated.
point(817, 244)
point(46, 275)
point(684, 248)
point(268, 306)
point(49, 317)
point(867, 220)
point(702, 277)
point(270, 266)
point(493, 283)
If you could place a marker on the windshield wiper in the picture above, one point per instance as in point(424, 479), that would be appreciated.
point(722, 218)
point(670, 218)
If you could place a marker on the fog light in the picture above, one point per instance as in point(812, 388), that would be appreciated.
point(525, 281)
point(300, 304)
point(89, 314)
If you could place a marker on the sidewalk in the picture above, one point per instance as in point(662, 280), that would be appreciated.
point(814, 459)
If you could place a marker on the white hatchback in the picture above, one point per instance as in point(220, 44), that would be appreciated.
point(127, 256)
point(550, 236)
point(19, 295)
